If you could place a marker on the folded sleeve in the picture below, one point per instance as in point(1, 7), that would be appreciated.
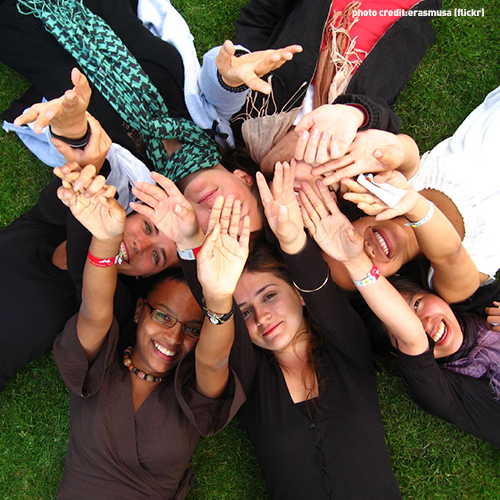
point(81, 378)
point(208, 415)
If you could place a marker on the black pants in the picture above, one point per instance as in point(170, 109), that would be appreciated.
point(27, 48)
point(36, 298)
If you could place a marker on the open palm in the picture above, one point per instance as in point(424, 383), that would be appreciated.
point(224, 253)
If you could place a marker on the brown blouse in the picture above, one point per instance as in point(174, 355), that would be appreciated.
point(114, 453)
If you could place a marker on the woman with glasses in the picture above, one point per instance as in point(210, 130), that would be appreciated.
point(136, 416)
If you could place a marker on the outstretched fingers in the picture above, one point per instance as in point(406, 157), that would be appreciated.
point(215, 213)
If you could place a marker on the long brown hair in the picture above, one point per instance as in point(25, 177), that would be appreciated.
point(265, 258)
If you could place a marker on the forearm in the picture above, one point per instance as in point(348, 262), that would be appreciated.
point(225, 102)
point(213, 349)
point(390, 307)
point(99, 285)
point(380, 115)
point(437, 238)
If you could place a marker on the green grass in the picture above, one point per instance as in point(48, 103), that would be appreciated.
point(431, 459)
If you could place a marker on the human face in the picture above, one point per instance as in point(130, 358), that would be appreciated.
point(272, 310)
point(202, 188)
point(158, 348)
point(145, 250)
point(389, 244)
point(438, 321)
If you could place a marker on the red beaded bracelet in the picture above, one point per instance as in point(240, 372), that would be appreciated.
point(111, 261)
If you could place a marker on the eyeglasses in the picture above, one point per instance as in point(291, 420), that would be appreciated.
point(170, 321)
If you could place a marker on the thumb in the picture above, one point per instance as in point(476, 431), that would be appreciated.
point(391, 158)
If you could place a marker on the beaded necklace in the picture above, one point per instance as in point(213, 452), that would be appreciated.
point(128, 363)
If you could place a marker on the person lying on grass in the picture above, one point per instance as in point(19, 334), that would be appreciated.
point(450, 365)
point(451, 221)
point(312, 412)
point(136, 416)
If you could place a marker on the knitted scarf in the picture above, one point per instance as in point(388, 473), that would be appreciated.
point(482, 358)
point(116, 73)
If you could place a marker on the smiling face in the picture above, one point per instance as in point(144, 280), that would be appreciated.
point(201, 188)
point(389, 244)
point(144, 249)
point(272, 310)
point(438, 321)
point(158, 349)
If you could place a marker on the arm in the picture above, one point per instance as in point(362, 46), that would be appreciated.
point(81, 137)
point(337, 238)
point(307, 268)
point(101, 214)
point(456, 276)
point(220, 263)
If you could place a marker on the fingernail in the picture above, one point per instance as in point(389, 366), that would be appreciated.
point(304, 135)
point(315, 133)
point(78, 186)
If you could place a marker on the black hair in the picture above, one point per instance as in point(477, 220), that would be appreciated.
point(144, 287)
point(469, 321)
point(239, 158)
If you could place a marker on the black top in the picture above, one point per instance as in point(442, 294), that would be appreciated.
point(265, 24)
point(333, 447)
point(464, 401)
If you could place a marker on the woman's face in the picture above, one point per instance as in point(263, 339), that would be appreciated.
point(389, 244)
point(202, 188)
point(145, 250)
point(158, 348)
point(438, 321)
point(272, 310)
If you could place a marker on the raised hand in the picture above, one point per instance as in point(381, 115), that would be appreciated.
point(370, 151)
point(169, 210)
point(329, 227)
point(249, 68)
point(94, 152)
point(66, 115)
point(372, 205)
point(282, 208)
point(326, 133)
point(95, 207)
point(224, 253)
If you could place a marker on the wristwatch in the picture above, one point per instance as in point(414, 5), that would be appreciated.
point(217, 318)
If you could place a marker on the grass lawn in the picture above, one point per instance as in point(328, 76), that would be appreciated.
point(431, 459)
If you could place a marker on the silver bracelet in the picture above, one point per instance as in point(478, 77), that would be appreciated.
point(421, 222)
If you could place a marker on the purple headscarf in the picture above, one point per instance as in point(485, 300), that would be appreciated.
point(482, 358)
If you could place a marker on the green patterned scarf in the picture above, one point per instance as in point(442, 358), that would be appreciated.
point(115, 72)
